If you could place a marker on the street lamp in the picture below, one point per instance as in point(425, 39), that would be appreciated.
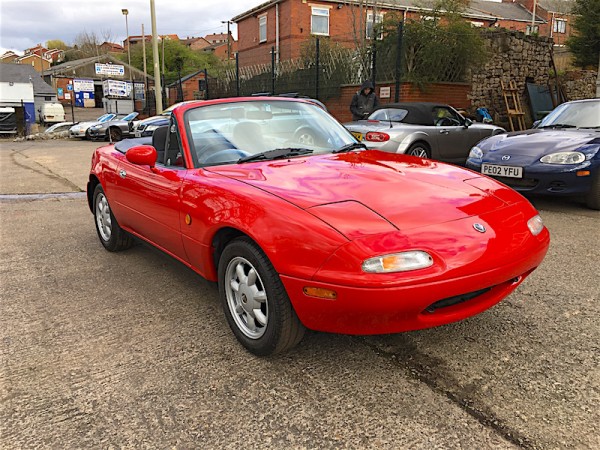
point(228, 22)
point(125, 12)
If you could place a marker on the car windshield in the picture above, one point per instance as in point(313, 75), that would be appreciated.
point(573, 115)
point(232, 132)
point(389, 114)
point(106, 117)
point(130, 116)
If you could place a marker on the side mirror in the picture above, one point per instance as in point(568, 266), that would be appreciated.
point(468, 123)
point(142, 155)
point(536, 123)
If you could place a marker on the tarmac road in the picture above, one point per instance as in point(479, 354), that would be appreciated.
point(132, 349)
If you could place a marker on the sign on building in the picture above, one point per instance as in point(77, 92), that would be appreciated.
point(83, 85)
point(110, 69)
point(116, 88)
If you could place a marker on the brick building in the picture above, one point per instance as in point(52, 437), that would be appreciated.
point(284, 25)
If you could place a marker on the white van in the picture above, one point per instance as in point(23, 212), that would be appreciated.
point(51, 112)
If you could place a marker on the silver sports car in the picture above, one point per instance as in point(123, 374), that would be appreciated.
point(428, 130)
point(114, 130)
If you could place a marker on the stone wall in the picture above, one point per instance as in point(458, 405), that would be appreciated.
point(513, 56)
point(580, 84)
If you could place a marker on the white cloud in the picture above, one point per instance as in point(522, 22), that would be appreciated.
point(24, 24)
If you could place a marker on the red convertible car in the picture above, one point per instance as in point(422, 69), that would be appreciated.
point(304, 228)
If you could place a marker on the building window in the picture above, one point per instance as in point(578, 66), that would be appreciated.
point(262, 28)
point(531, 30)
point(369, 24)
point(560, 26)
point(319, 21)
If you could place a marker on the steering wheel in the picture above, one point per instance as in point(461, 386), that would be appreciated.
point(222, 156)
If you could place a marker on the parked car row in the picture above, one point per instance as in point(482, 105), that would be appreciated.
point(110, 127)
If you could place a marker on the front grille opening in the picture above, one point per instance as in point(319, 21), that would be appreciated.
point(451, 301)
point(519, 182)
point(557, 186)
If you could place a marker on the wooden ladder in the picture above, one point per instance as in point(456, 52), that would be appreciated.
point(512, 100)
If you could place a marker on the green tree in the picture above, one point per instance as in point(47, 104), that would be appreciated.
point(585, 42)
point(56, 43)
point(174, 52)
point(440, 47)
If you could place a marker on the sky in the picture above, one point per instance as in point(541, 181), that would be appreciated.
point(26, 23)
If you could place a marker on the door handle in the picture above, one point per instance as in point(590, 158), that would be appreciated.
point(122, 173)
point(444, 132)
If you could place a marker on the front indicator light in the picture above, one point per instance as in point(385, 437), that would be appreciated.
point(535, 225)
point(327, 294)
point(398, 262)
point(583, 173)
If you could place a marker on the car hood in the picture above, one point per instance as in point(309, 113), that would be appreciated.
point(536, 143)
point(86, 125)
point(153, 119)
point(406, 191)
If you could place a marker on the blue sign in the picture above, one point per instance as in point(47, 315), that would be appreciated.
point(61, 92)
point(69, 87)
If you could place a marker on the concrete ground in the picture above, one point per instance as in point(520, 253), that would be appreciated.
point(132, 349)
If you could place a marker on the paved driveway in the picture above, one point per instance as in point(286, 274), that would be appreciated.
point(132, 349)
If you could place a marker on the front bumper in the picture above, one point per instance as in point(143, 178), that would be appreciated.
point(548, 179)
point(77, 133)
point(472, 275)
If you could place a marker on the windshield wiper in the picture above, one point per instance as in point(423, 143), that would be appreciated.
point(349, 147)
point(277, 153)
point(559, 125)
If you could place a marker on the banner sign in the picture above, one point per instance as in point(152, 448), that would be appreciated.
point(115, 88)
point(110, 69)
point(83, 85)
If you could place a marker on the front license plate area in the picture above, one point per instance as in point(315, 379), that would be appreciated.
point(357, 135)
point(502, 171)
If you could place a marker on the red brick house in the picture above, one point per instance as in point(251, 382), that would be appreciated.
point(284, 25)
point(111, 47)
point(133, 40)
point(9, 57)
point(39, 50)
point(196, 43)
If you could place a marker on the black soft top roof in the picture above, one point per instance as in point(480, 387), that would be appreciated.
point(419, 113)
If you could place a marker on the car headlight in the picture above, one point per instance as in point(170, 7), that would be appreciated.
point(151, 127)
point(96, 127)
point(563, 158)
point(535, 225)
point(398, 262)
point(476, 153)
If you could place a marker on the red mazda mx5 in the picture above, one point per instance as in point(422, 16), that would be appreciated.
point(303, 227)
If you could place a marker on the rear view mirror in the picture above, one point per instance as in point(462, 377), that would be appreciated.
point(142, 155)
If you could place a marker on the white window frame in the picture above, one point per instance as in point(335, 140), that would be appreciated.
point(369, 24)
point(532, 30)
point(318, 11)
point(262, 28)
point(560, 26)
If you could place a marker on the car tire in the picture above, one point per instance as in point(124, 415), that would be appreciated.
point(305, 136)
point(420, 149)
point(592, 199)
point(111, 235)
point(256, 305)
point(114, 134)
